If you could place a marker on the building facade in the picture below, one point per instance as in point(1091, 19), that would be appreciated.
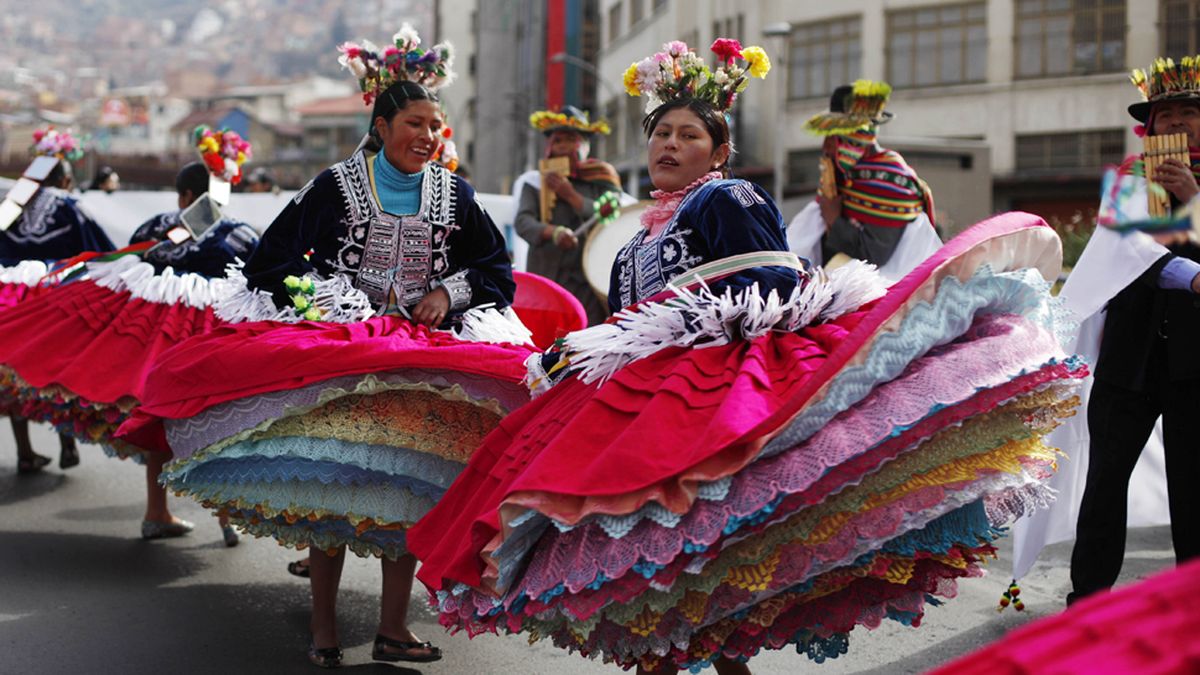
point(1041, 84)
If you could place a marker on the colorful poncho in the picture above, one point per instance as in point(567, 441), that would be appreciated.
point(878, 187)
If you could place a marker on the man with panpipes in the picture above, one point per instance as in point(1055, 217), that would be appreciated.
point(1148, 365)
point(560, 198)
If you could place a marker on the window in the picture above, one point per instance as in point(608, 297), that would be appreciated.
point(803, 172)
point(731, 27)
point(636, 11)
point(635, 110)
point(1179, 21)
point(824, 55)
point(614, 22)
point(612, 113)
point(1086, 150)
point(937, 45)
point(1069, 37)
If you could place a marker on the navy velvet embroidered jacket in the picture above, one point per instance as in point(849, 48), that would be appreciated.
point(207, 256)
point(51, 227)
point(718, 219)
point(338, 219)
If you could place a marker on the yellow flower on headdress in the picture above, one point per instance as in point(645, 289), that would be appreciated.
point(630, 80)
point(758, 61)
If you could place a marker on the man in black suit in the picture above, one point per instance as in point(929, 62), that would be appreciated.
point(1149, 366)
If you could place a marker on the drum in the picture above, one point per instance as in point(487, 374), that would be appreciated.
point(605, 242)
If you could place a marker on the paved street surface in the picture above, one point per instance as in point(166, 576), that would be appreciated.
point(81, 593)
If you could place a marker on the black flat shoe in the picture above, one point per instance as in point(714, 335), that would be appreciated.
point(329, 657)
point(68, 458)
point(26, 466)
point(380, 653)
point(298, 568)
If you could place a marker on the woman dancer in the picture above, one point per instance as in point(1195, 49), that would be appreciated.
point(768, 460)
point(340, 421)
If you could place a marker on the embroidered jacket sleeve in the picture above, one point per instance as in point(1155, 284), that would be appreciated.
point(156, 228)
point(309, 221)
point(483, 272)
point(208, 256)
point(52, 227)
point(738, 217)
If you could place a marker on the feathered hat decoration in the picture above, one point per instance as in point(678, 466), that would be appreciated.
point(404, 59)
point(569, 118)
point(51, 142)
point(677, 72)
point(223, 152)
point(1167, 80)
point(853, 108)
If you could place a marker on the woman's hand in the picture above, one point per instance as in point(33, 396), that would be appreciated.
point(1178, 179)
point(431, 310)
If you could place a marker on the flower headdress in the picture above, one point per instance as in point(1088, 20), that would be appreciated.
point(51, 142)
point(1167, 80)
point(223, 152)
point(677, 72)
point(853, 108)
point(404, 59)
point(571, 118)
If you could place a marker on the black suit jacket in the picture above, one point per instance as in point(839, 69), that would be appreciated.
point(1138, 316)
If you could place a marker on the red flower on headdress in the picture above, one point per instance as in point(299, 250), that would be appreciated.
point(727, 49)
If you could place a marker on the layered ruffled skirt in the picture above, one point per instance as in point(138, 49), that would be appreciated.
point(771, 492)
point(327, 434)
point(76, 354)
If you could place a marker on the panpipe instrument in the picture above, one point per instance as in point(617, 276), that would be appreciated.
point(1158, 149)
point(827, 178)
point(546, 196)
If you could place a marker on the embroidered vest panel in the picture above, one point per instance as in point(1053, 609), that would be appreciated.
point(394, 257)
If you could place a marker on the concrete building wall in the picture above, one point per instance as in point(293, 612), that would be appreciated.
point(995, 111)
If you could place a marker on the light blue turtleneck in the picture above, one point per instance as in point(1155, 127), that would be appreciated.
point(399, 192)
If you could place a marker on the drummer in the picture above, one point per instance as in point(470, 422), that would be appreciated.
point(554, 246)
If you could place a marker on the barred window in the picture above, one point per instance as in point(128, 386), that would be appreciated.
point(1069, 37)
point(614, 22)
point(1085, 150)
point(612, 142)
point(803, 172)
point(636, 11)
point(1179, 23)
point(937, 45)
point(824, 55)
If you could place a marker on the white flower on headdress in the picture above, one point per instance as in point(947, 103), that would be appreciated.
point(720, 77)
point(407, 36)
point(355, 65)
point(368, 46)
point(690, 60)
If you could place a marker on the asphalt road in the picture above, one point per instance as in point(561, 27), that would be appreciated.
point(80, 592)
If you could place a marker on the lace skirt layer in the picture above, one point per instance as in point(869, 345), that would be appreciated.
point(867, 501)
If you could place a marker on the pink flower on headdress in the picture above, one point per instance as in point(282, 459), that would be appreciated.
point(648, 75)
point(676, 48)
point(351, 50)
point(726, 49)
